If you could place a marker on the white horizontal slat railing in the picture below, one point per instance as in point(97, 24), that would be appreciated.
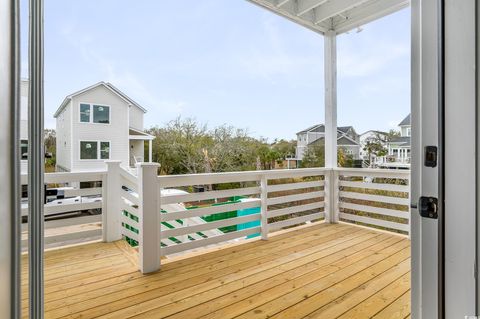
point(166, 215)
point(237, 205)
point(72, 209)
point(375, 197)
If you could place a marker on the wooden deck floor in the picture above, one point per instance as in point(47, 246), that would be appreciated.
point(321, 271)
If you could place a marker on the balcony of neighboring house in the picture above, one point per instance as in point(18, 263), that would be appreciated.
point(137, 141)
point(316, 242)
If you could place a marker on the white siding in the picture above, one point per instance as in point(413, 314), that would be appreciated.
point(64, 139)
point(136, 150)
point(313, 136)
point(116, 132)
point(136, 118)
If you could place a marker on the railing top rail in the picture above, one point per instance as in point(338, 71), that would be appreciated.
point(366, 171)
point(242, 176)
point(60, 177)
point(128, 175)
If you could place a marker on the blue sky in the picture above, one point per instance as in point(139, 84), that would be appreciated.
point(223, 62)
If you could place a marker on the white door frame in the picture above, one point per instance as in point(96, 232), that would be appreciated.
point(460, 152)
point(10, 296)
point(426, 105)
point(444, 115)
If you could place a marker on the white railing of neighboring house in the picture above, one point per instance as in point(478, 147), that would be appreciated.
point(61, 231)
point(162, 215)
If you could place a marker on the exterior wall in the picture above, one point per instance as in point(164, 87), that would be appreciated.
point(404, 130)
point(351, 150)
point(64, 139)
point(137, 150)
point(364, 138)
point(116, 132)
point(303, 140)
point(313, 136)
point(301, 145)
point(136, 118)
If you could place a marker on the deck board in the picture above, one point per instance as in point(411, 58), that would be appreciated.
point(320, 271)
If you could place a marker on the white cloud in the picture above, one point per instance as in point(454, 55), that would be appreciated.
point(122, 78)
point(275, 57)
point(371, 57)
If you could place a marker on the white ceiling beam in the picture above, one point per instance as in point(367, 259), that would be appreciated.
point(289, 10)
point(306, 5)
point(281, 3)
point(368, 13)
point(333, 8)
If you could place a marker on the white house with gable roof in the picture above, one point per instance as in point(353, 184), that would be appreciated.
point(100, 123)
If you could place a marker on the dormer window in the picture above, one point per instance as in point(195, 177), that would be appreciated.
point(94, 113)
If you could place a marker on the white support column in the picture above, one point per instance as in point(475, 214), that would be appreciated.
point(263, 210)
point(149, 151)
point(330, 66)
point(330, 99)
point(111, 202)
point(149, 210)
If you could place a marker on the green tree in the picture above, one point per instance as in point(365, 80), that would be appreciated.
point(178, 146)
point(314, 155)
point(50, 138)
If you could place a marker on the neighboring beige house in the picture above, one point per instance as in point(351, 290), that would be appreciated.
point(96, 124)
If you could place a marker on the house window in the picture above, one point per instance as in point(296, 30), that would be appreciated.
point(24, 149)
point(409, 131)
point(101, 114)
point(104, 150)
point(85, 113)
point(94, 113)
point(93, 150)
point(88, 150)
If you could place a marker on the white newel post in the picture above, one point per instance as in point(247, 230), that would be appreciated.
point(111, 202)
point(331, 196)
point(336, 198)
point(263, 209)
point(150, 151)
point(327, 199)
point(149, 219)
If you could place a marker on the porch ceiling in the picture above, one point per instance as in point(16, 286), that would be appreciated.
point(135, 134)
point(339, 16)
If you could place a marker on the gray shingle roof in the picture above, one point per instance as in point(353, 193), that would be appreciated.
point(405, 121)
point(316, 127)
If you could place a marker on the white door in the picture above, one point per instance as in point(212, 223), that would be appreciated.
point(443, 161)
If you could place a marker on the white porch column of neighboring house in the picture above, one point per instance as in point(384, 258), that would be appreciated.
point(150, 151)
point(330, 67)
